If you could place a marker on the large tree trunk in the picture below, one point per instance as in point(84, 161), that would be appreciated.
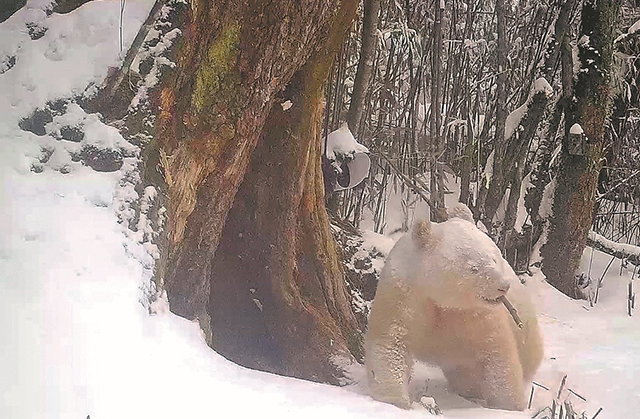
point(251, 255)
point(574, 197)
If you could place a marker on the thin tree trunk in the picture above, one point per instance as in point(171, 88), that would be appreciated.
point(511, 213)
point(467, 158)
point(365, 64)
point(436, 182)
point(498, 179)
point(251, 255)
point(517, 145)
point(574, 197)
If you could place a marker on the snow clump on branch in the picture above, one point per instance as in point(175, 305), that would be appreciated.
point(341, 143)
point(541, 85)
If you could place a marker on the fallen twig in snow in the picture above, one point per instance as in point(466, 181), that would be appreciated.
point(540, 385)
point(569, 411)
point(531, 396)
point(561, 406)
point(597, 413)
point(577, 395)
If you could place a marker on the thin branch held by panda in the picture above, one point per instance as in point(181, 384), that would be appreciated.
point(512, 310)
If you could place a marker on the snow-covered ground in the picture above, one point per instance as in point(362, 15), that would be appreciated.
point(76, 338)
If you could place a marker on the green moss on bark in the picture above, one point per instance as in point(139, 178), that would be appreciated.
point(217, 78)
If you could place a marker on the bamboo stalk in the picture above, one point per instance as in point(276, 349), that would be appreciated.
point(630, 298)
point(562, 384)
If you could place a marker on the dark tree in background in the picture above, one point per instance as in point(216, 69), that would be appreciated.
point(365, 63)
point(575, 193)
point(495, 191)
point(9, 7)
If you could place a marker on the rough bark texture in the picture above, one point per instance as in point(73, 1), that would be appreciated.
point(513, 155)
point(511, 213)
point(578, 175)
point(365, 64)
point(288, 303)
point(251, 254)
point(541, 176)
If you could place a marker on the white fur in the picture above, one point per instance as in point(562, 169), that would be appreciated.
point(436, 302)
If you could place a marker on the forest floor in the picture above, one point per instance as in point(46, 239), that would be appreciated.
point(79, 336)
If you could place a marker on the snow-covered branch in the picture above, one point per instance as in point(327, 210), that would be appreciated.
point(619, 250)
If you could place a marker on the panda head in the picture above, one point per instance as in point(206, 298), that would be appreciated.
point(463, 267)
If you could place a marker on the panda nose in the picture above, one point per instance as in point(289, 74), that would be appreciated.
point(504, 287)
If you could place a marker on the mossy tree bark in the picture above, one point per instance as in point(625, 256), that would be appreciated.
point(574, 197)
point(251, 255)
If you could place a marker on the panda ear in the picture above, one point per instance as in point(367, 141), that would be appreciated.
point(421, 233)
point(461, 211)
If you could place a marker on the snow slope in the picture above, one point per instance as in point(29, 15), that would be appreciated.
point(77, 337)
point(597, 347)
